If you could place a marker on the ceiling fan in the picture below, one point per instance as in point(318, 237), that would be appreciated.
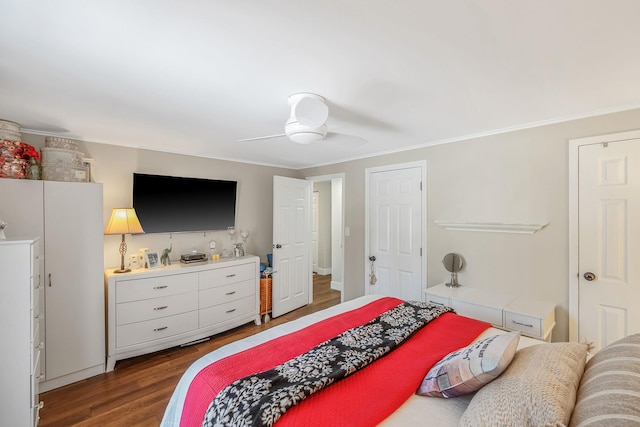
point(307, 122)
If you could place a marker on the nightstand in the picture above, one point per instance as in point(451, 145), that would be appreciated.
point(535, 319)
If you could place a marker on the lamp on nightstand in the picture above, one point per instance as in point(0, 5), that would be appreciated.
point(123, 221)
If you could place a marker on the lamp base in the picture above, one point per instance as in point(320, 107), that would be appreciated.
point(122, 270)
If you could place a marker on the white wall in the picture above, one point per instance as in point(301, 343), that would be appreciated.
point(520, 176)
point(515, 177)
point(114, 167)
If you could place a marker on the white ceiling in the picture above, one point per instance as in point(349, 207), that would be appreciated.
point(195, 76)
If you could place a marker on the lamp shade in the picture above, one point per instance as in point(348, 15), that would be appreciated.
point(123, 221)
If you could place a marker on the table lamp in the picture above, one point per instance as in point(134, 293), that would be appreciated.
point(123, 221)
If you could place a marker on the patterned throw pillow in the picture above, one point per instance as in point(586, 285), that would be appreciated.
point(468, 369)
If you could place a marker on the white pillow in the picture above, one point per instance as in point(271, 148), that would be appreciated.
point(468, 369)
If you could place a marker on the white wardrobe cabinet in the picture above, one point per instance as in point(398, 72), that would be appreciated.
point(68, 217)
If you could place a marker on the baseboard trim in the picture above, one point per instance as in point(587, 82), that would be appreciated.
point(336, 286)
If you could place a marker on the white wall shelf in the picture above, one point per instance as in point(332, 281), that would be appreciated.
point(491, 227)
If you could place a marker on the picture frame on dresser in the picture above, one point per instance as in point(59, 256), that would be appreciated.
point(152, 259)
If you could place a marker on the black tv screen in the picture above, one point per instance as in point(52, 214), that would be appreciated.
point(168, 204)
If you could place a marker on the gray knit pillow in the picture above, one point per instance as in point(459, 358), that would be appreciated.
point(609, 393)
point(537, 389)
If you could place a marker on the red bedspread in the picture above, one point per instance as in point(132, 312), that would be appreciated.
point(364, 398)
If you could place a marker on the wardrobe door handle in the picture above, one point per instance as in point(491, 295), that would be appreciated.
point(49, 279)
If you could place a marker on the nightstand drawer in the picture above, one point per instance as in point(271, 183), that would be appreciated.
point(140, 332)
point(153, 287)
point(528, 325)
point(481, 312)
point(437, 299)
point(148, 309)
point(533, 318)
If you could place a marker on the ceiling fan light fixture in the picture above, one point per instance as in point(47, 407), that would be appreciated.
point(303, 135)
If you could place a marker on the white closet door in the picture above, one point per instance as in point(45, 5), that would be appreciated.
point(74, 284)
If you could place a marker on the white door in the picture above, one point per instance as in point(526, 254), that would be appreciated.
point(608, 241)
point(291, 244)
point(74, 287)
point(395, 232)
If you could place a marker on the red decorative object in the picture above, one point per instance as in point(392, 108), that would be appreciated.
point(31, 153)
point(14, 157)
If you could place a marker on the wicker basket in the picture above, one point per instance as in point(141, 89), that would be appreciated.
point(62, 157)
point(10, 131)
point(265, 295)
point(63, 143)
point(61, 172)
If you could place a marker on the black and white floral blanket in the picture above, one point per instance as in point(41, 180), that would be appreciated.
point(261, 399)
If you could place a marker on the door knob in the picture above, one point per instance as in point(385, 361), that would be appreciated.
point(278, 246)
point(589, 276)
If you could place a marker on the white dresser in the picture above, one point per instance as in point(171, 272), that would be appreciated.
point(21, 315)
point(150, 310)
point(534, 318)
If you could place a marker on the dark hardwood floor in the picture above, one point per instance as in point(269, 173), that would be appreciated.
point(138, 390)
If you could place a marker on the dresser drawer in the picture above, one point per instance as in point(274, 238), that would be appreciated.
point(227, 275)
point(481, 312)
point(223, 294)
point(35, 378)
point(155, 308)
point(35, 257)
point(140, 332)
point(223, 312)
point(35, 338)
point(153, 287)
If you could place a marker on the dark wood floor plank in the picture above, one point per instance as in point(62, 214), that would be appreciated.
point(136, 393)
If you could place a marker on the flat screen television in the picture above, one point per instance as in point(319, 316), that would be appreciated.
point(169, 204)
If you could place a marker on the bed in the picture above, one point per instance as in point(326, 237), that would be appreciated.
point(538, 383)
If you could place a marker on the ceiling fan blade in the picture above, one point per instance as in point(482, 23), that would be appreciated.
point(345, 139)
point(258, 138)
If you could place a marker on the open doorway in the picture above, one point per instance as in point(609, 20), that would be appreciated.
point(328, 220)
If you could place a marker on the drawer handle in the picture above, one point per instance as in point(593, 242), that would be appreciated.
point(435, 302)
point(522, 324)
point(160, 329)
point(161, 307)
point(230, 293)
point(231, 275)
point(231, 311)
point(160, 287)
